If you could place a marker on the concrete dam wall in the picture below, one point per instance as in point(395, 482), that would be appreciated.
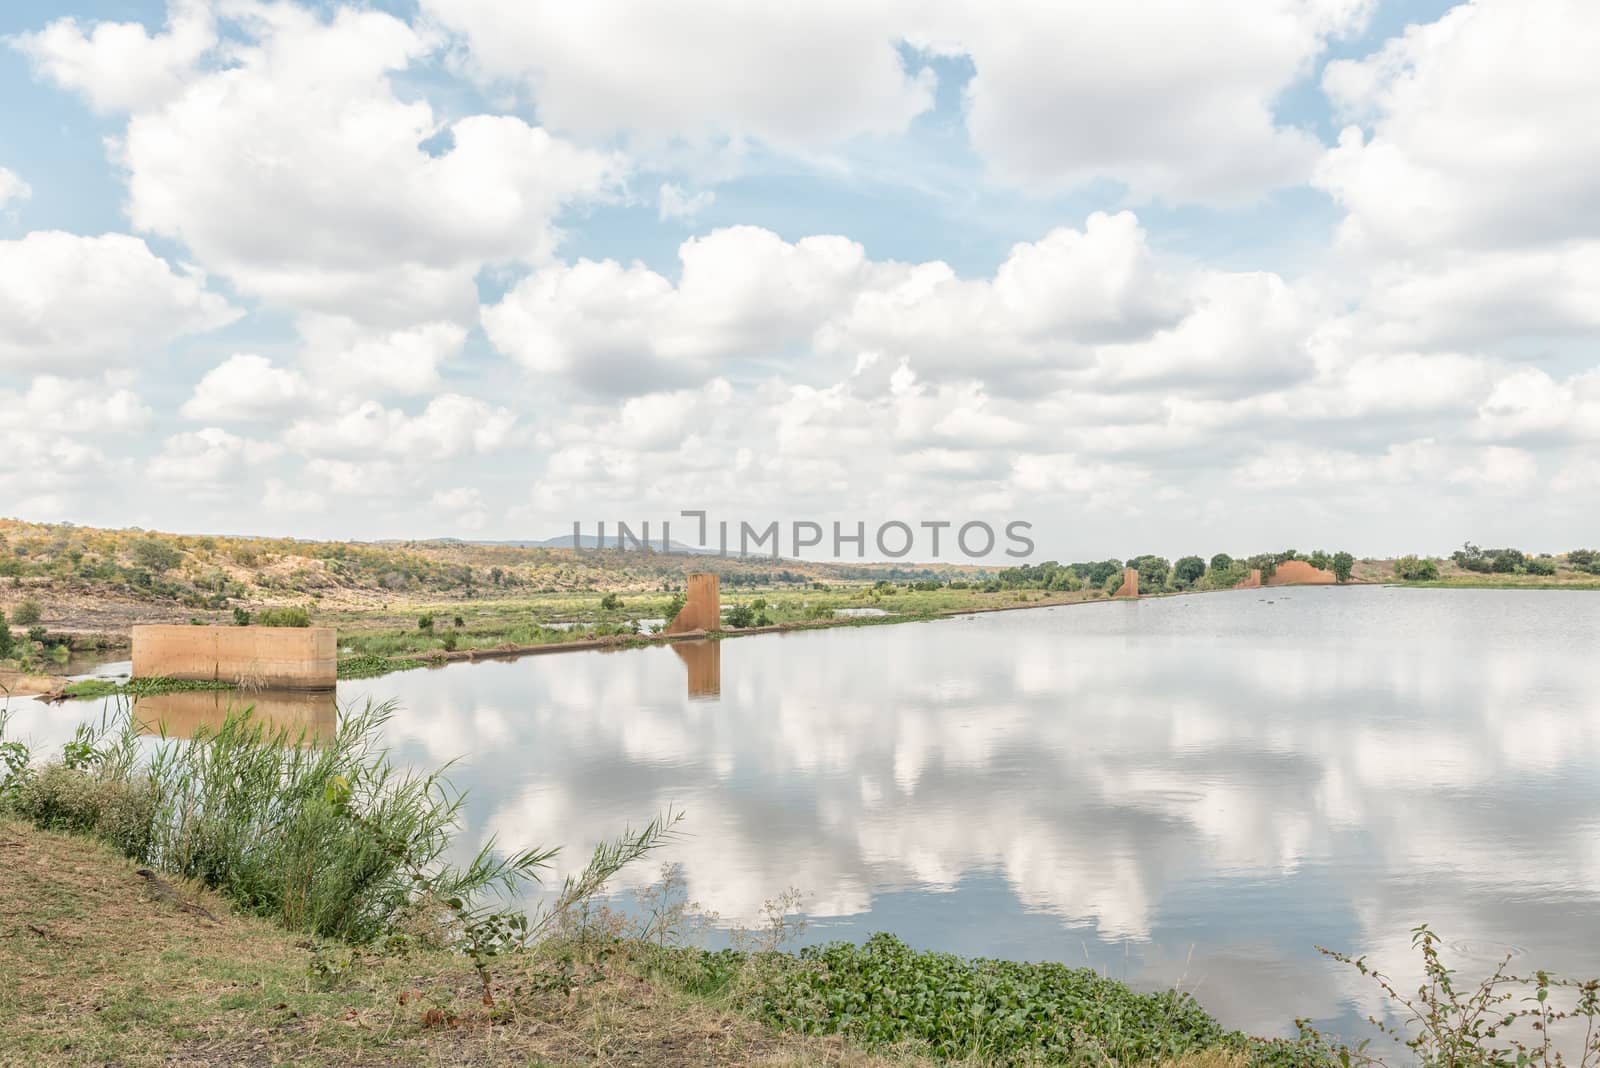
point(279, 658)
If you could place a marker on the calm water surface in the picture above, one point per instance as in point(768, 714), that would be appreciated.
point(1192, 790)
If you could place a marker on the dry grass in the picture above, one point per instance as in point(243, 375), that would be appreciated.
point(98, 972)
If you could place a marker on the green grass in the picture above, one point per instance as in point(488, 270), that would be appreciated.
point(90, 688)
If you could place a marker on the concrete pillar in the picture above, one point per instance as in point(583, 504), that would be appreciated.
point(703, 609)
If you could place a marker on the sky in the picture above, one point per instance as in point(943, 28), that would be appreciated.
point(1164, 277)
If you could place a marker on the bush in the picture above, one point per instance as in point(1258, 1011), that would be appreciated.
point(62, 798)
point(282, 617)
point(6, 641)
point(27, 613)
point(1541, 565)
point(1415, 569)
point(425, 621)
point(610, 603)
point(1188, 570)
point(740, 615)
point(241, 617)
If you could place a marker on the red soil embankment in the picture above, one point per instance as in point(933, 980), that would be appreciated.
point(1300, 573)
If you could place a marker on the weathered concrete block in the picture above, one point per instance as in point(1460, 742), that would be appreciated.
point(703, 609)
point(287, 658)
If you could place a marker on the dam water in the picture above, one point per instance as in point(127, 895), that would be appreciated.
point(1190, 790)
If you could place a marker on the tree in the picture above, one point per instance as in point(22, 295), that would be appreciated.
point(1152, 571)
point(1318, 560)
point(27, 613)
point(1342, 563)
point(1222, 562)
point(1188, 570)
point(157, 555)
point(5, 636)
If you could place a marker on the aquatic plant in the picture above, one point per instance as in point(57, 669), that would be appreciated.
point(1504, 1021)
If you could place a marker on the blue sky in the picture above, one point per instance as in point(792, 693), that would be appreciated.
point(1291, 272)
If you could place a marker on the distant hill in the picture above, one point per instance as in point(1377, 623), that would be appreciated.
point(591, 541)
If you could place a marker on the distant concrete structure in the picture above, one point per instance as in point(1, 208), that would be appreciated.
point(703, 609)
point(279, 658)
point(1130, 583)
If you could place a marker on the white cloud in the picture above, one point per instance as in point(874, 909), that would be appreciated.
point(804, 78)
point(12, 188)
point(297, 171)
point(451, 425)
point(71, 301)
point(120, 66)
point(209, 462)
point(1174, 99)
point(744, 292)
point(464, 505)
point(1453, 157)
point(675, 203)
point(78, 406)
point(246, 387)
point(341, 356)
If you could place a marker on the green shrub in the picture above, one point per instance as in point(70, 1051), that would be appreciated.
point(1187, 571)
point(7, 642)
point(282, 617)
point(1415, 569)
point(62, 798)
point(241, 616)
point(425, 621)
point(884, 993)
point(1541, 565)
point(740, 615)
point(610, 602)
point(27, 613)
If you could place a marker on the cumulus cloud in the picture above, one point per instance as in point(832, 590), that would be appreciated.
point(293, 167)
point(84, 406)
point(121, 66)
point(72, 301)
point(208, 463)
point(450, 425)
point(675, 202)
point(245, 387)
point(1176, 103)
point(13, 189)
point(804, 79)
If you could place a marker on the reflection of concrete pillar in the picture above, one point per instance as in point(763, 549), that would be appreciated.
point(180, 715)
point(703, 609)
point(704, 663)
point(1130, 583)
